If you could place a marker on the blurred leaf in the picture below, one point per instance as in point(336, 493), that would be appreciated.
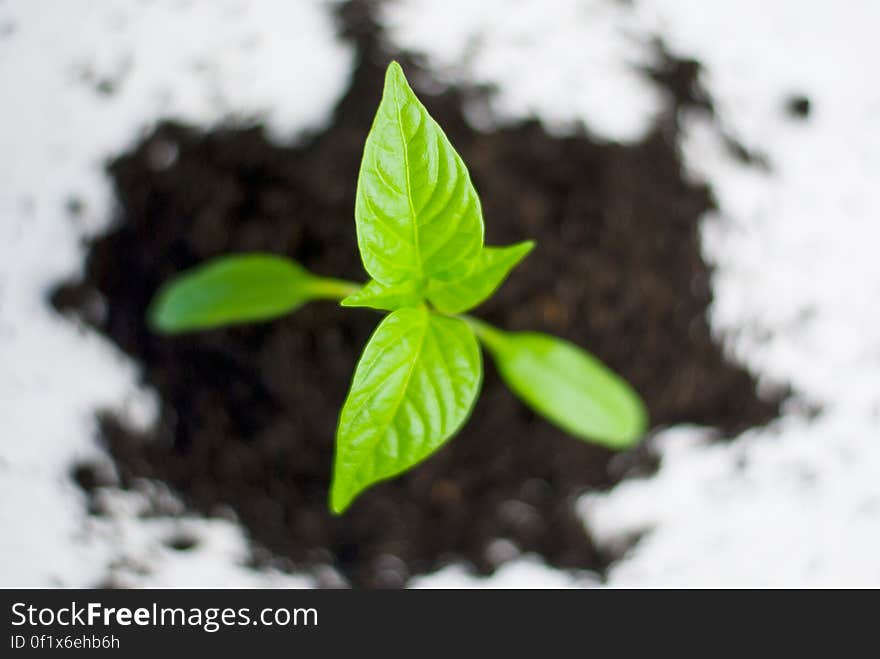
point(567, 385)
point(238, 289)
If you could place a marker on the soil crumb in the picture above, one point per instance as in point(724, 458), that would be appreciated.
point(798, 106)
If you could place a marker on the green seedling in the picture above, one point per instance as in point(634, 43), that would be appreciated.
point(420, 235)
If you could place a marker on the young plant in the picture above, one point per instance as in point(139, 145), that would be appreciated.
point(420, 235)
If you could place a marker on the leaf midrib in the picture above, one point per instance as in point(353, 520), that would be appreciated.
point(412, 210)
point(416, 356)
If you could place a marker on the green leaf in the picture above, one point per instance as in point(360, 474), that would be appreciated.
point(417, 213)
point(490, 270)
point(412, 390)
point(238, 289)
point(379, 296)
point(567, 385)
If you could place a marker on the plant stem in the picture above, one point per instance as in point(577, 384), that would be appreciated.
point(333, 289)
point(491, 336)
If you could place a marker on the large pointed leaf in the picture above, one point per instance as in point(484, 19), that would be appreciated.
point(490, 270)
point(418, 215)
point(567, 385)
point(238, 289)
point(413, 388)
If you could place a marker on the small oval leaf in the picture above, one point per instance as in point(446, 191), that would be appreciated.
point(568, 386)
point(237, 289)
point(379, 296)
point(490, 270)
point(412, 390)
point(417, 213)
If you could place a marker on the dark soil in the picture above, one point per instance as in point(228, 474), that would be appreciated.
point(248, 415)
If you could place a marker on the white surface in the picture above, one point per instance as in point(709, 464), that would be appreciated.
point(797, 287)
point(199, 61)
point(565, 61)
